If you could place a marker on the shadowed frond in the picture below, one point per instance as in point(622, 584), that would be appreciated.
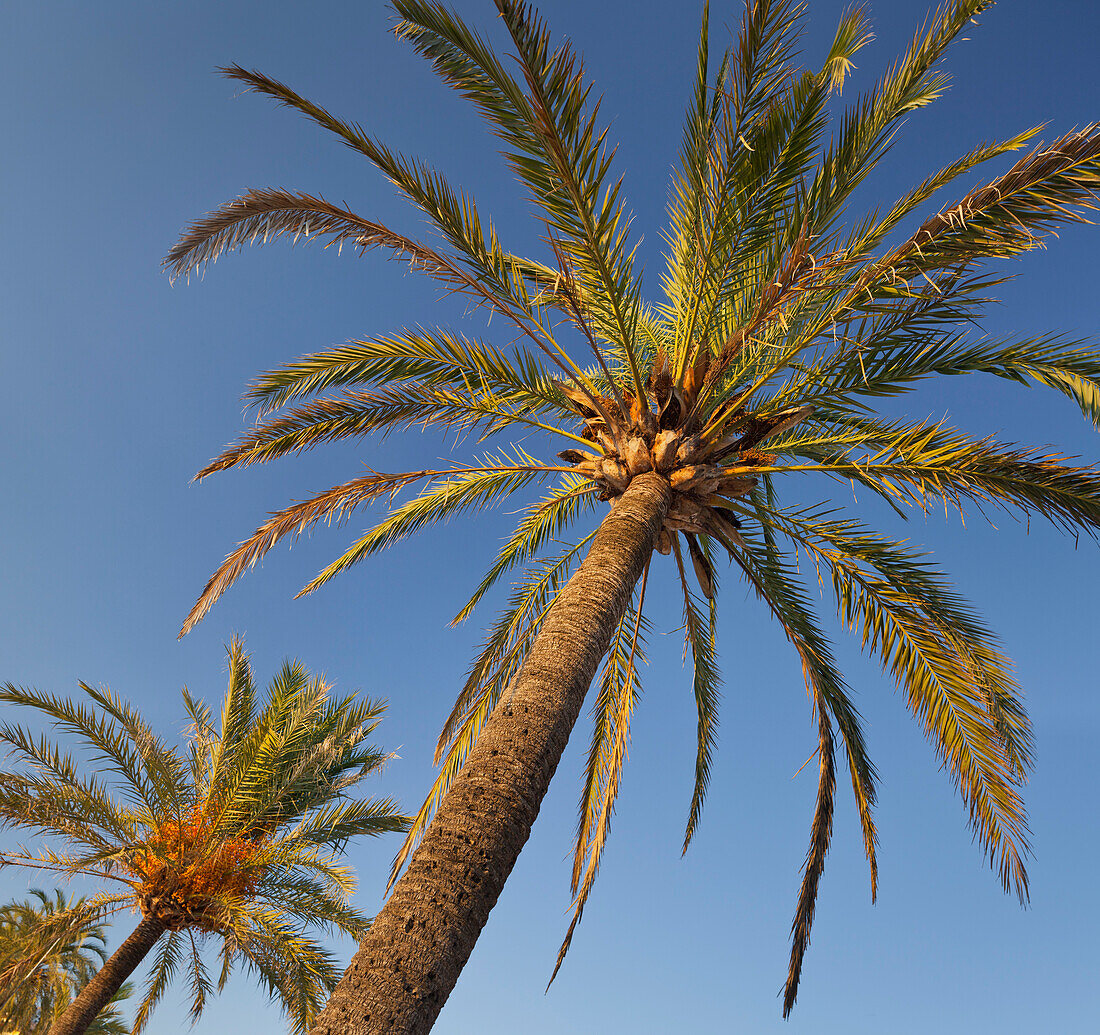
point(820, 833)
point(699, 641)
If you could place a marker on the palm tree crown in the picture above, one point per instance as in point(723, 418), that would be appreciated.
point(784, 317)
point(236, 839)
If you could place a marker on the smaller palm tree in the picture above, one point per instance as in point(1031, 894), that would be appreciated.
point(234, 840)
point(49, 950)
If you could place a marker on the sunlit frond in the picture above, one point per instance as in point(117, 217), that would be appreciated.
point(451, 492)
point(428, 357)
point(620, 690)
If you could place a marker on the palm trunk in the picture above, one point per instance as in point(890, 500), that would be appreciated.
point(418, 944)
point(98, 992)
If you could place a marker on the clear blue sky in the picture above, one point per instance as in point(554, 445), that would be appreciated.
point(117, 386)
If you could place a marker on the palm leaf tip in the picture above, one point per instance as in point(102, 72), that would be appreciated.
point(820, 833)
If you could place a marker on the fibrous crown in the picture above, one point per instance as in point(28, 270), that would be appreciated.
point(709, 458)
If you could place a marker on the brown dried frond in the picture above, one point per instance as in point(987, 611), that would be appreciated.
point(263, 214)
point(259, 215)
point(820, 832)
point(1013, 210)
point(701, 565)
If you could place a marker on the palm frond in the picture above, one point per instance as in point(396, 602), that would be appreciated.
point(918, 462)
point(167, 961)
point(489, 677)
point(429, 357)
point(1050, 186)
point(333, 504)
point(452, 492)
point(776, 582)
point(868, 126)
point(620, 690)
point(543, 521)
point(820, 833)
point(699, 640)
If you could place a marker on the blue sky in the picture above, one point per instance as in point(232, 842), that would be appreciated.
point(117, 386)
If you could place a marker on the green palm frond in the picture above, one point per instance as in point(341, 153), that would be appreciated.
point(867, 128)
point(296, 971)
point(111, 745)
point(428, 357)
point(919, 462)
point(699, 641)
point(50, 947)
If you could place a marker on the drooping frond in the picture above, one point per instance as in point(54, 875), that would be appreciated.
point(260, 216)
point(453, 214)
point(620, 690)
point(955, 680)
point(489, 677)
point(820, 833)
point(777, 583)
point(699, 641)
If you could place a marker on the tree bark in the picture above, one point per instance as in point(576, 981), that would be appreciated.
point(418, 944)
point(98, 992)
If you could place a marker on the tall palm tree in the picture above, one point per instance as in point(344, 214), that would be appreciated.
point(235, 840)
point(49, 950)
point(784, 317)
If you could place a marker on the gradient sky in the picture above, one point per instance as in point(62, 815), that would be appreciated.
point(116, 386)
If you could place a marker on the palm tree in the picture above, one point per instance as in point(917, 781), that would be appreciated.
point(235, 840)
point(784, 317)
point(49, 950)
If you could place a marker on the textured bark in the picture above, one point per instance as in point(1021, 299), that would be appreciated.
point(418, 944)
point(98, 992)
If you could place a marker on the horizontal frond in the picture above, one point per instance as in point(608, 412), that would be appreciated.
point(429, 357)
